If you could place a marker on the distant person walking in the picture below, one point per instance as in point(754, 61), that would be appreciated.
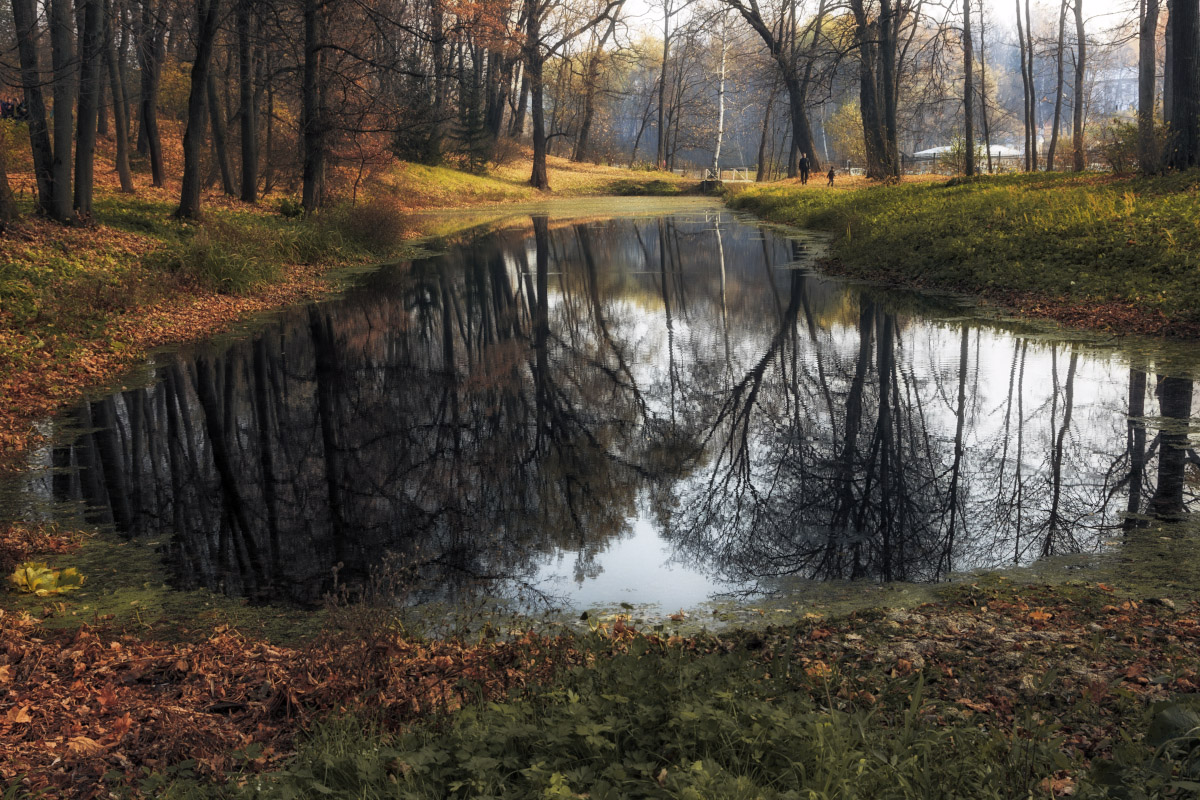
point(831, 175)
point(803, 168)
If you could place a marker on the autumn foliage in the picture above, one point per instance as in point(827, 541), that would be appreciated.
point(76, 706)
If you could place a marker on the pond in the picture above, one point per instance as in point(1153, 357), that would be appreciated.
point(652, 409)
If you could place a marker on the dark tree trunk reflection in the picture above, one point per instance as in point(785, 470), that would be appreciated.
point(544, 393)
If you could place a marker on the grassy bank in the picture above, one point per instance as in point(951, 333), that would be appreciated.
point(78, 305)
point(1099, 251)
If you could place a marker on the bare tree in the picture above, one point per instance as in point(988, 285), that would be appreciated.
point(1148, 155)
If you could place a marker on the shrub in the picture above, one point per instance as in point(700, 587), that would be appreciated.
point(376, 226)
point(289, 208)
point(222, 258)
point(1119, 146)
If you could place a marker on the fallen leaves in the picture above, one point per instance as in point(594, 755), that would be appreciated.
point(77, 705)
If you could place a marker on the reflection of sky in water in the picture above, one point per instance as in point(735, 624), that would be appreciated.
point(637, 568)
point(627, 457)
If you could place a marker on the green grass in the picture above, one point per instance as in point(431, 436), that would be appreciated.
point(1087, 239)
point(666, 723)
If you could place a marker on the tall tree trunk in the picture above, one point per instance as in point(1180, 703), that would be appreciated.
point(312, 116)
point(120, 106)
point(25, 21)
point(534, 61)
point(721, 98)
point(7, 212)
point(151, 31)
point(1058, 92)
point(1184, 26)
point(1169, 68)
point(539, 178)
point(983, 93)
point(1032, 97)
point(220, 144)
point(193, 135)
point(91, 50)
point(1026, 91)
point(1148, 156)
point(968, 91)
point(63, 61)
point(889, 22)
point(1077, 144)
point(660, 153)
point(517, 129)
point(248, 118)
point(590, 79)
point(761, 174)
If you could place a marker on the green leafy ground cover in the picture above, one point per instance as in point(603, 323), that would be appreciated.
point(997, 690)
point(1098, 250)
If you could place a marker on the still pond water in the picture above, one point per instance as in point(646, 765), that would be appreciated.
point(653, 409)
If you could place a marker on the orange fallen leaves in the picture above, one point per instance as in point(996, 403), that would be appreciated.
point(80, 704)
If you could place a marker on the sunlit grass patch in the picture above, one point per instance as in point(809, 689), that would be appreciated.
point(1071, 238)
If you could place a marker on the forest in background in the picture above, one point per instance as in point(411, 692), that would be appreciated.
point(308, 97)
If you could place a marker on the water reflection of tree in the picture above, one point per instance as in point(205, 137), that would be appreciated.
point(830, 475)
point(472, 418)
point(535, 392)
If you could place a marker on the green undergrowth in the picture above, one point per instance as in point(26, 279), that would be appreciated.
point(1077, 238)
point(667, 725)
point(1000, 705)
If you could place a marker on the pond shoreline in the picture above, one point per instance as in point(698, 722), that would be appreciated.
point(1107, 255)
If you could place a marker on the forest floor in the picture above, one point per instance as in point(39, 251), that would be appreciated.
point(1096, 251)
point(80, 305)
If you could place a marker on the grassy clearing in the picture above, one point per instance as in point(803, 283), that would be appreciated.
point(421, 187)
point(1103, 246)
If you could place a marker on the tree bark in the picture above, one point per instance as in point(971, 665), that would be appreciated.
point(220, 142)
point(660, 153)
point(590, 79)
point(1184, 28)
point(1148, 156)
point(1026, 90)
point(761, 174)
point(25, 21)
point(91, 49)
point(1031, 98)
point(312, 116)
point(1077, 144)
point(120, 107)
point(63, 61)
point(193, 135)
point(248, 118)
point(151, 31)
point(983, 95)
point(721, 99)
point(968, 91)
point(1058, 92)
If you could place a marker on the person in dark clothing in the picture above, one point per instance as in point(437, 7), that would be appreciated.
point(831, 176)
point(803, 168)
